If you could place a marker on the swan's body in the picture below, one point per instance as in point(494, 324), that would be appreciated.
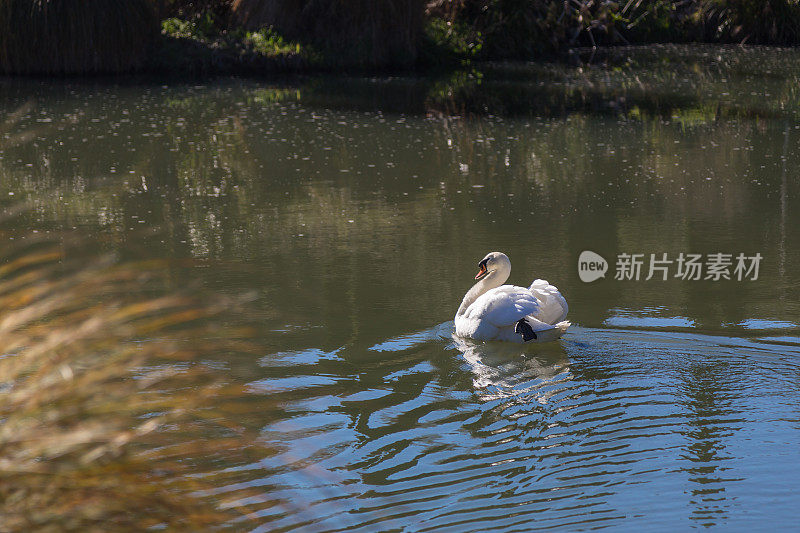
point(493, 311)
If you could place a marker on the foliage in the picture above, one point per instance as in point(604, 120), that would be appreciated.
point(197, 28)
point(228, 36)
point(532, 28)
point(352, 33)
point(447, 41)
point(206, 28)
point(64, 36)
point(753, 21)
point(268, 41)
point(524, 29)
point(201, 45)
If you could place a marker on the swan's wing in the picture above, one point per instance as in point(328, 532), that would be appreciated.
point(503, 306)
point(552, 306)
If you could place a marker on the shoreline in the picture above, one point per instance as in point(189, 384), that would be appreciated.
point(190, 60)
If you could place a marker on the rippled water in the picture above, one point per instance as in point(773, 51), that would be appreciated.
point(355, 210)
point(653, 428)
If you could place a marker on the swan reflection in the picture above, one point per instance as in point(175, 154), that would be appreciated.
point(503, 370)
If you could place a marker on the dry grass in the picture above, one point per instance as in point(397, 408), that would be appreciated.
point(107, 412)
point(69, 36)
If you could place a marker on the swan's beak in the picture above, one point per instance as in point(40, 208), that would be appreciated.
point(482, 272)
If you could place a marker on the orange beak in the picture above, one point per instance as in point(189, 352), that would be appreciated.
point(481, 272)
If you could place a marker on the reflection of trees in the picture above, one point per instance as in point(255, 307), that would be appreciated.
point(362, 203)
point(646, 187)
point(693, 85)
point(709, 426)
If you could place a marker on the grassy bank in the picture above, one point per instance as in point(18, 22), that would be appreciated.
point(279, 35)
point(200, 46)
point(524, 29)
point(270, 36)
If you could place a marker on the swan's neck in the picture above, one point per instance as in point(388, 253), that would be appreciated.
point(493, 279)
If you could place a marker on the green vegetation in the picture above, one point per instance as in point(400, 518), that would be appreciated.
point(526, 29)
point(200, 45)
point(255, 36)
point(404, 33)
point(352, 33)
point(763, 22)
point(271, 36)
point(447, 41)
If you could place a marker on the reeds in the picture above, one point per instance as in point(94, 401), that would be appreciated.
point(107, 410)
point(75, 36)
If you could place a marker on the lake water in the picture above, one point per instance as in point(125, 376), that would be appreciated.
point(355, 210)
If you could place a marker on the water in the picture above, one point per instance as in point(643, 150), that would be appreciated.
point(355, 212)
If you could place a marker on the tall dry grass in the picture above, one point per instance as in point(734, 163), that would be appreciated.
point(107, 411)
point(75, 36)
point(356, 32)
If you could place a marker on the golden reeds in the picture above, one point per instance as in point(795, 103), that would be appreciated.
point(106, 410)
point(75, 36)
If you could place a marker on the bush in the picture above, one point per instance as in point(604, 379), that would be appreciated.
point(525, 29)
point(355, 33)
point(753, 21)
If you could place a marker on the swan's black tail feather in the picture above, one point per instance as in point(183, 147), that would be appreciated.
point(525, 329)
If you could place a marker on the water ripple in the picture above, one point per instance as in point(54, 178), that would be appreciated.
point(462, 436)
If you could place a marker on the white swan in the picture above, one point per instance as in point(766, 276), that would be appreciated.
point(493, 311)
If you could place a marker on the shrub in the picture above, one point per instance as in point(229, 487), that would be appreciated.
point(752, 21)
point(356, 32)
point(526, 29)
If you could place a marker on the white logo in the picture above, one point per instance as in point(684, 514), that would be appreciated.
point(591, 266)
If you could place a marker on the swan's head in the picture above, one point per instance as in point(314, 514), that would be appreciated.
point(493, 262)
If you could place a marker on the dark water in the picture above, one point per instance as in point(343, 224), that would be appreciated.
point(356, 210)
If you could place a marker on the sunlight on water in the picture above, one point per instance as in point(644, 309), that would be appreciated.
point(755, 323)
point(649, 322)
point(562, 435)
